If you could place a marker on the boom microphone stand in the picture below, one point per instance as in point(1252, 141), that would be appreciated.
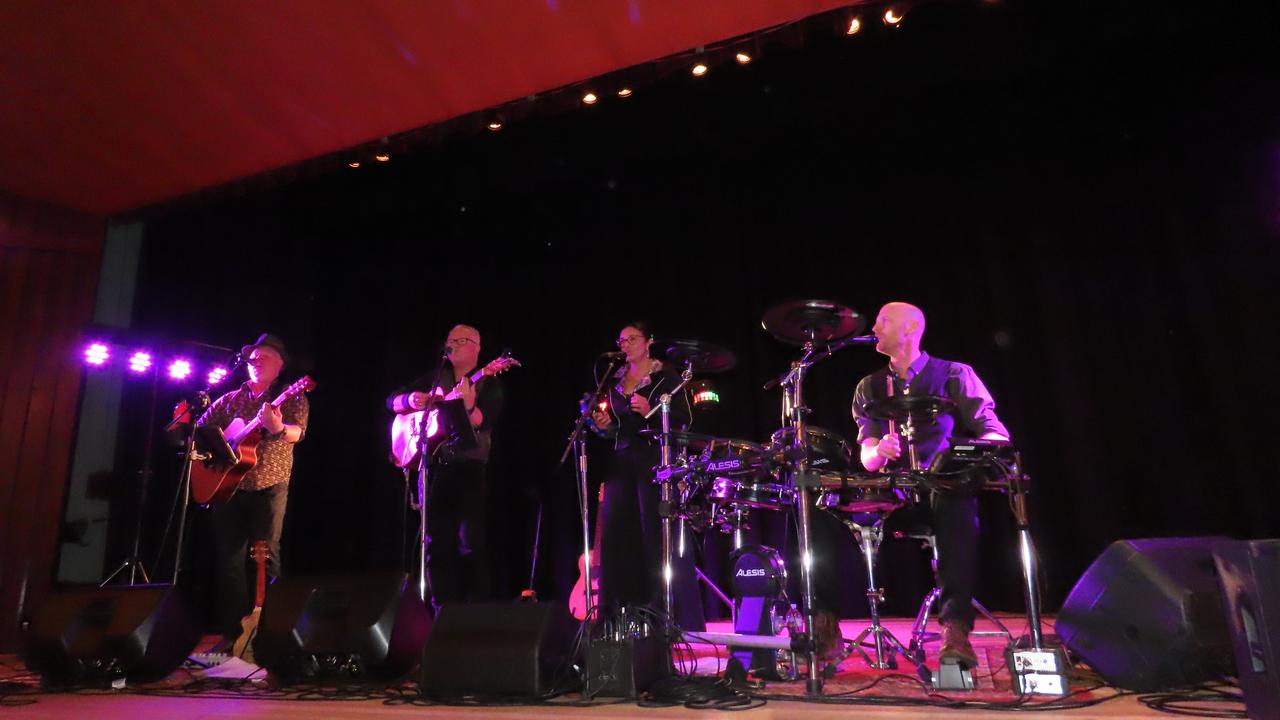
point(578, 442)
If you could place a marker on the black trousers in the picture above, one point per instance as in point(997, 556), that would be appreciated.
point(249, 516)
point(955, 527)
point(457, 552)
point(631, 543)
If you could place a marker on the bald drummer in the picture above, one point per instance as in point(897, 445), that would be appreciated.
point(899, 329)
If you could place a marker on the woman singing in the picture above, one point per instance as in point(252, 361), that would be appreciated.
point(631, 540)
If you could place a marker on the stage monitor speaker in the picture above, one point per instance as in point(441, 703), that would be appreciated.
point(1250, 573)
point(1147, 615)
point(90, 635)
point(511, 649)
point(368, 626)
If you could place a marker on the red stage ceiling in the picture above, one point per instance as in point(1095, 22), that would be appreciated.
point(110, 106)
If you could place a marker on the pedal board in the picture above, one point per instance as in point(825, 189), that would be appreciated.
point(952, 676)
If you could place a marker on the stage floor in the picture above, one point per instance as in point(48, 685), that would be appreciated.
point(854, 690)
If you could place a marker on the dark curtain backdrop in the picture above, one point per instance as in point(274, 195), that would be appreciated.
point(1082, 199)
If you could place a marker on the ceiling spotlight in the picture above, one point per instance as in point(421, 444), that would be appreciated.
point(742, 58)
point(624, 92)
point(382, 157)
point(494, 125)
point(353, 164)
point(855, 26)
point(891, 18)
point(590, 99)
point(699, 70)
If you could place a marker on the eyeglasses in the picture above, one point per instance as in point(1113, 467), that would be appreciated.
point(630, 340)
point(458, 342)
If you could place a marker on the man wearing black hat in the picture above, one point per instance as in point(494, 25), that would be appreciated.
point(256, 510)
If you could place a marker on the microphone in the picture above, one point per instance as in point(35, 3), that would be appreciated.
point(860, 340)
point(446, 351)
point(848, 342)
point(614, 355)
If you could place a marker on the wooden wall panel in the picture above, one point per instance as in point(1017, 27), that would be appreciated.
point(49, 261)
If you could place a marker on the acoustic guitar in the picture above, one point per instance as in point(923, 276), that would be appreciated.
point(578, 605)
point(243, 647)
point(407, 428)
point(213, 482)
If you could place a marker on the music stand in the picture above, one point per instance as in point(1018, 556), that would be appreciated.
point(212, 445)
point(461, 436)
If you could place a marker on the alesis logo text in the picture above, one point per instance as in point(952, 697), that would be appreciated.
point(725, 465)
point(752, 572)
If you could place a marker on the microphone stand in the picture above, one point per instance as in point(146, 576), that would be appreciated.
point(578, 442)
point(667, 494)
point(424, 473)
point(812, 359)
point(187, 421)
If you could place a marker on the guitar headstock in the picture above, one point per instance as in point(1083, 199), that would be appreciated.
point(259, 552)
point(501, 364)
point(301, 385)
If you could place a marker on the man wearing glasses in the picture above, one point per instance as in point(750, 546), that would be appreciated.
point(457, 561)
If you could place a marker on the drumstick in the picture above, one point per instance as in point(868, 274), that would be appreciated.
point(889, 393)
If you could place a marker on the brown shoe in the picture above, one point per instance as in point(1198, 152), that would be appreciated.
point(956, 648)
point(828, 642)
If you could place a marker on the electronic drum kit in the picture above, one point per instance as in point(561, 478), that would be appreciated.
point(710, 482)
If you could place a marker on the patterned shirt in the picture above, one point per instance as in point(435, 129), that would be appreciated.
point(275, 456)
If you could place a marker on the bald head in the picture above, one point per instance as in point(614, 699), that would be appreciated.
point(899, 327)
point(464, 347)
point(906, 313)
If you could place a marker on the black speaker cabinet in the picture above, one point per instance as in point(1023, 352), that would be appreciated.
point(497, 649)
point(1250, 573)
point(354, 626)
point(99, 634)
point(1148, 614)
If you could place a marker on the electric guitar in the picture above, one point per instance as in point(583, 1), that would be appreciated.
point(407, 429)
point(215, 482)
point(243, 647)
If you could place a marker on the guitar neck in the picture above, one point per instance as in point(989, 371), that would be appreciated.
point(254, 424)
point(260, 551)
point(474, 377)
